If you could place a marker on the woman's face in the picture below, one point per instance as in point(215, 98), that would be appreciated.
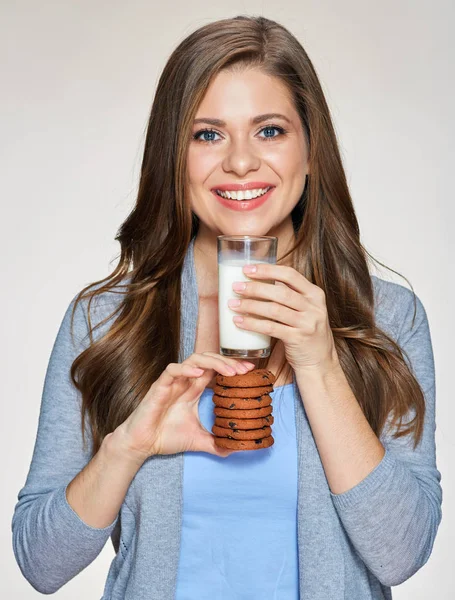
point(236, 150)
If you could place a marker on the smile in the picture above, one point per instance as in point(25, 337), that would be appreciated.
point(243, 194)
point(243, 204)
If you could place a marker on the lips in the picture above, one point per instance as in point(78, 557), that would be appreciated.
point(251, 185)
point(243, 205)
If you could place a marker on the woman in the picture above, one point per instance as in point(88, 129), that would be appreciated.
point(347, 502)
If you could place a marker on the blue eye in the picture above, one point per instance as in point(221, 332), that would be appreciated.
point(271, 128)
point(198, 136)
point(203, 132)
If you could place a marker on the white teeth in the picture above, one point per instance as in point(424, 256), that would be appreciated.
point(243, 195)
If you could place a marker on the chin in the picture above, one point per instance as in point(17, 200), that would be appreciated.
point(257, 231)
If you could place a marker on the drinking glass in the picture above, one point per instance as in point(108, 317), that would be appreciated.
point(235, 251)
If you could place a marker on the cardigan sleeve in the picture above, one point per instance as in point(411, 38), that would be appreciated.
point(51, 542)
point(393, 514)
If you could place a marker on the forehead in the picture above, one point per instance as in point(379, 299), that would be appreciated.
point(241, 95)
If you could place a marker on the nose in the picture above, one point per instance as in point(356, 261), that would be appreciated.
point(240, 158)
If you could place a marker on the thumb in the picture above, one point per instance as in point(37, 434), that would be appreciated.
point(209, 445)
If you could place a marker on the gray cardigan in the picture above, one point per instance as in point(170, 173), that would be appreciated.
point(352, 545)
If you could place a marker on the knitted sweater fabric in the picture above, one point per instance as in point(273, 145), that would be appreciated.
point(357, 544)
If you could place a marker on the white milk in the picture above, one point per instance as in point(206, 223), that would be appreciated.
point(231, 336)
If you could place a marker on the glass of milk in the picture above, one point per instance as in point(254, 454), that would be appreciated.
point(235, 251)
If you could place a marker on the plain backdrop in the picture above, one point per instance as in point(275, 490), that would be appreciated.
point(78, 79)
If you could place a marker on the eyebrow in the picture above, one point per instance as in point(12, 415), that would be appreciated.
point(253, 121)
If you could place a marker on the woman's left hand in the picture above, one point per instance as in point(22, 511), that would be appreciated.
point(295, 313)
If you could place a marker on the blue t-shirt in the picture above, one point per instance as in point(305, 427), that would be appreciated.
point(239, 530)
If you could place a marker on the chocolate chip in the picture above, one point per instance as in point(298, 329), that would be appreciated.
point(232, 405)
point(258, 441)
point(232, 424)
point(230, 437)
point(224, 387)
point(235, 430)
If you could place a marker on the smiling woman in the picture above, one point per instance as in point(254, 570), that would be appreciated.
point(347, 501)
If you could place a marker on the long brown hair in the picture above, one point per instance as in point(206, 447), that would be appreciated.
point(115, 371)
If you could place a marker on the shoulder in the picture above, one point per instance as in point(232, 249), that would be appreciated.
point(398, 310)
point(103, 307)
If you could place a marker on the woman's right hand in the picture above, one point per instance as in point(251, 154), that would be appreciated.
point(167, 420)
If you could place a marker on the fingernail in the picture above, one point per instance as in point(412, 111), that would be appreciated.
point(233, 302)
point(250, 269)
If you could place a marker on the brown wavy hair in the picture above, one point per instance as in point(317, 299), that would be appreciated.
point(115, 371)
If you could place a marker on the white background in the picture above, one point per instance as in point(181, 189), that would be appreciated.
point(78, 80)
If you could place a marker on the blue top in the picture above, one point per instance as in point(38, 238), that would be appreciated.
point(239, 529)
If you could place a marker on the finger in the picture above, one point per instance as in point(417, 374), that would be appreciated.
point(280, 293)
point(272, 328)
point(208, 445)
point(288, 275)
point(243, 366)
point(214, 362)
point(270, 310)
point(174, 370)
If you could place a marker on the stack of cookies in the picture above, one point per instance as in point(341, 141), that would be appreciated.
point(243, 410)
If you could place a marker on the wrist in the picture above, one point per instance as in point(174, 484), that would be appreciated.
point(324, 374)
point(116, 444)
